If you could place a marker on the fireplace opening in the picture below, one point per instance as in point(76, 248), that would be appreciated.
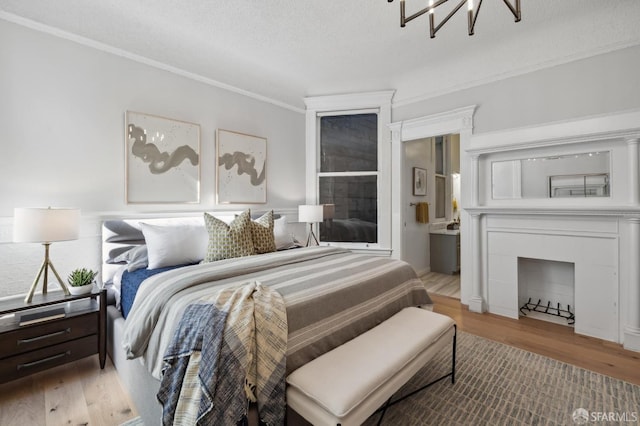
point(546, 290)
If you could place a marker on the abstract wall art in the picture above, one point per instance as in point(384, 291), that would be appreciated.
point(241, 164)
point(162, 160)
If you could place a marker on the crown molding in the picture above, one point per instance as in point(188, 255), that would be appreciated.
point(9, 17)
point(402, 102)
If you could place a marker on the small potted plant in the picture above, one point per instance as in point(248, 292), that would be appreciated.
point(81, 281)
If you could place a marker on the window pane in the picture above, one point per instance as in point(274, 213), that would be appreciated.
point(356, 208)
point(440, 155)
point(349, 143)
point(441, 193)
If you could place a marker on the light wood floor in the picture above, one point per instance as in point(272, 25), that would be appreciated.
point(552, 340)
point(542, 337)
point(82, 394)
point(442, 284)
point(78, 393)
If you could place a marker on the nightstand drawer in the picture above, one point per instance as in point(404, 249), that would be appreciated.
point(22, 365)
point(37, 336)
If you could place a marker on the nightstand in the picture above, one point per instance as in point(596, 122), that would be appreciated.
point(77, 331)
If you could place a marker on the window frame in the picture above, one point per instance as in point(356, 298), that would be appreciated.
point(371, 102)
point(443, 176)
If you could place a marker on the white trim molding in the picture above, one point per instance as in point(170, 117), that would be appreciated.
point(380, 102)
point(459, 121)
point(623, 125)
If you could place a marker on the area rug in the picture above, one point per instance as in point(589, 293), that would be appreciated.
point(498, 384)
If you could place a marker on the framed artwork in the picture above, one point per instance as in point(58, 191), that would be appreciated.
point(241, 162)
point(162, 160)
point(419, 181)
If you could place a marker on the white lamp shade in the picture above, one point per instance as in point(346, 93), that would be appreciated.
point(310, 213)
point(45, 225)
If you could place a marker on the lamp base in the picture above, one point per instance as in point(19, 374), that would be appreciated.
point(311, 237)
point(44, 268)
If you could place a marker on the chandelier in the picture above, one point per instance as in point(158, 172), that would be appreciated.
point(472, 13)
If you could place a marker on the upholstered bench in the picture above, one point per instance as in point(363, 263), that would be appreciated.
point(348, 384)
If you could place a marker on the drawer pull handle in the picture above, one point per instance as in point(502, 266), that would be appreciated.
point(43, 360)
point(44, 336)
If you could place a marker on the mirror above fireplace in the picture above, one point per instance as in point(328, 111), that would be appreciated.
point(561, 176)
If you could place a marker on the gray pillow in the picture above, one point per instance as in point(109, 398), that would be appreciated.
point(135, 258)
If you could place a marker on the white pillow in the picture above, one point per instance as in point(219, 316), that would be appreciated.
point(284, 238)
point(171, 245)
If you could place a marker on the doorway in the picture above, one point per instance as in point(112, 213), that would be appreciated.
point(432, 247)
point(456, 122)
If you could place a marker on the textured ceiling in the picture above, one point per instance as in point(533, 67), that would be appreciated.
point(285, 50)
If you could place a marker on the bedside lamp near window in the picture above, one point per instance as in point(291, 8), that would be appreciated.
point(45, 225)
point(311, 214)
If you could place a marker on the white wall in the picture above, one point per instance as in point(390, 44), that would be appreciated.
point(416, 235)
point(593, 86)
point(62, 107)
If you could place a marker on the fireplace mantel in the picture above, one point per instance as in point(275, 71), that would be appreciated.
point(592, 227)
point(534, 210)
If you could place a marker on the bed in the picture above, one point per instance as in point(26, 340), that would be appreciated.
point(331, 295)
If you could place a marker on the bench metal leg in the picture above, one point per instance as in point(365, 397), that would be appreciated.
point(452, 374)
point(384, 410)
point(453, 355)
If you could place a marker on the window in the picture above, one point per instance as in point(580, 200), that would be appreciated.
point(348, 166)
point(348, 177)
point(441, 178)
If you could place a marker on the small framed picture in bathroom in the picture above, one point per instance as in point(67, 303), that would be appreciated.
point(419, 181)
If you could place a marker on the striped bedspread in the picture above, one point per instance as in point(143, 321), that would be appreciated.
point(331, 296)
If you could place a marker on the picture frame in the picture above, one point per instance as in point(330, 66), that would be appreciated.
point(162, 160)
point(241, 163)
point(419, 181)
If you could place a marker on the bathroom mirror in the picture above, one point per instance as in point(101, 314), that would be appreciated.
point(561, 176)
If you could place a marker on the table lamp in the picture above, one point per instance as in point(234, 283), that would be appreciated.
point(310, 214)
point(328, 211)
point(45, 225)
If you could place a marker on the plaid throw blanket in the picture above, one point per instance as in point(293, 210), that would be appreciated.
point(225, 353)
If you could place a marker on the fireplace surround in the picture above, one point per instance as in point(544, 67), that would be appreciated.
point(598, 236)
point(591, 245)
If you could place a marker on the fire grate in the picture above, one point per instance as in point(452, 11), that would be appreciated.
point(549, 310)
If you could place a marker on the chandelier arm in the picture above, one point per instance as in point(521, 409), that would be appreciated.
point(444, 21)
point(472, 17)
point(515, 10)
point(420, 12)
